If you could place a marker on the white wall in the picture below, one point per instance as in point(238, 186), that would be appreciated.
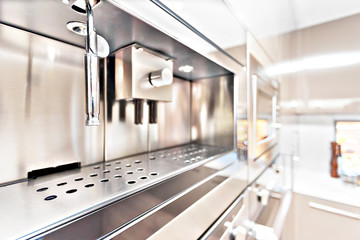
point(309, 136)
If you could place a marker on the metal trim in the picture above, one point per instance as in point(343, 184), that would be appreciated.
point(193, 29)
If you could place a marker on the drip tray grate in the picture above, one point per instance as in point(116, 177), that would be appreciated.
point(65, 196)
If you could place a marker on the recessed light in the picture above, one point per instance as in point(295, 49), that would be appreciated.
point(77, 27)
point(186, 68)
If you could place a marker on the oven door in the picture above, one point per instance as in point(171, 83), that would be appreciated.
point(264, 101)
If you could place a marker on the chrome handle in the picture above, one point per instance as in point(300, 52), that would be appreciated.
point(334, 210)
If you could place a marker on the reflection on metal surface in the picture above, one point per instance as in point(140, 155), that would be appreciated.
point(263, 94)
point(226, 222)
point(144, 228)
point(141, 74)
point(196, 219)
point(189, 26)
point(138, 206)
point(91, 61)
point(41, 95)
point(212, 111)
point(80, 28)
point(62, 197)
point(124, 138)
point(186, 68)
point(173, 119)
point(119, 28)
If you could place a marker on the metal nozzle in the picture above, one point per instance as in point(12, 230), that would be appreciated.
point(92, 90)
point(91, 71)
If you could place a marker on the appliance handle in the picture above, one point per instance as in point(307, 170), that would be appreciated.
point(333, 210)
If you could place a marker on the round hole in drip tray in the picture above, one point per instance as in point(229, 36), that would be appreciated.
point(117, 168)
point(154, 174)
point(62, 184)
point(117, 176)
point(131, 182)
point(129, 172)
point(117, 162)
point(108, 164)
point(104, 180)
point(96, 167)
point(128, 165)
point(71, 191)
point(93, 175)
point(79, 179)
point(106, 171)
point(42, 189)
point(89, 185)
point(137, 161)
point(140, 169)
point(51, 197)
point(143, 177)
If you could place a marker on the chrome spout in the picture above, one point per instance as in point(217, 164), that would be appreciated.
point(91, 62)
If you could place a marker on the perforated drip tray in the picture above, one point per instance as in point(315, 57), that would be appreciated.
point(40, 204)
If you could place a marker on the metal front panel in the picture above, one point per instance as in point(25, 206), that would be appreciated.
point(40, 205)
point(117, 216)
point(259, 83)
point(173, 126)
point(42, 105)
point(123, 137)
point(132, 68)
point(117, 26)
point(212, 116)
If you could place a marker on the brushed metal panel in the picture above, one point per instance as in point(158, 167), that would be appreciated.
point(122, 136)
point(28, 205)
point(212, 113)
point(133, 65)
point(117, 26)
point(108, 219)
point(173, 126)
point(42, 105)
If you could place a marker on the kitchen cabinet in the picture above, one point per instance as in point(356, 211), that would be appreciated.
point(306, 222)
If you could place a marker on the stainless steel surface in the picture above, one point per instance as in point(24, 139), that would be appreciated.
point(173, 118)
point(124, 138)
point(92, 89)
point(60, 198)
point(133, 67)
point(80, 28)
point(333, 210)
point(225, 223)
point(91, 71)
point(118, 27)
point(264, 102)
point(260, 84)
point(42, 103)
point(161, 77)
point(157, 204)
point(192, 28)
point(80, 5)
point(196, 220)
point(212, 116)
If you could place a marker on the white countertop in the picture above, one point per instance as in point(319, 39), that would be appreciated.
point(321, 185)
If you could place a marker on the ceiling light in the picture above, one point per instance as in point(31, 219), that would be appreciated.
point(77, 27)
point(186, 68)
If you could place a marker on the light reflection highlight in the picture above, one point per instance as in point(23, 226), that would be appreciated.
point(316, 62)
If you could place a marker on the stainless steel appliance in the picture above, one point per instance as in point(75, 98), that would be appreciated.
point(163, 161)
